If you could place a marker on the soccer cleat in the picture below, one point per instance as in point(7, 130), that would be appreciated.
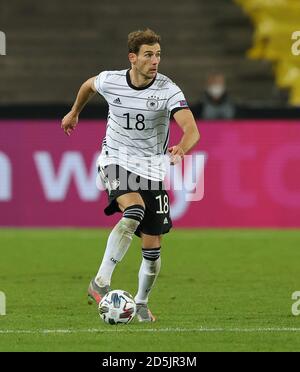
point(143, 313)
point(96, 293)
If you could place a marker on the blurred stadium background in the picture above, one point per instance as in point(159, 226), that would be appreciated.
point(252, 177)
point(51, 48)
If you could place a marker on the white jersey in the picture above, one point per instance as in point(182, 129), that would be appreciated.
point(137, 132)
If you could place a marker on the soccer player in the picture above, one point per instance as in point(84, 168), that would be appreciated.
point(132, 161)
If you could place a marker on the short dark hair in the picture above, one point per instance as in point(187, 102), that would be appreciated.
point(137, 38)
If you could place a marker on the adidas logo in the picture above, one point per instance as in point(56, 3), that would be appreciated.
point(165, 220)
point(117, 101)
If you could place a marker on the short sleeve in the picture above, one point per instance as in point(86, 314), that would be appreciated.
point(176, 100)
point(98, 82)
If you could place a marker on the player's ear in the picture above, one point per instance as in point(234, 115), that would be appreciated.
point(132, 57)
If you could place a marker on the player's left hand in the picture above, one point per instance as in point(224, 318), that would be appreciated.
point(176, 154)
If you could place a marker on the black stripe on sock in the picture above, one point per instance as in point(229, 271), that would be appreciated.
point(151, 254)
point(136, 212)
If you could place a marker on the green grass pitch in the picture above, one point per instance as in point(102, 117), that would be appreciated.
point(219, 290)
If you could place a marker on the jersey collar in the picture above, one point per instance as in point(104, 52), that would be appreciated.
point(133, 86)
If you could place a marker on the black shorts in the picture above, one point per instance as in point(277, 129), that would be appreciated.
point(118, 181)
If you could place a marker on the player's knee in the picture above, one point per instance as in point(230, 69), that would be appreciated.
point(127, 200)
point(151, 241)
point(132, 217)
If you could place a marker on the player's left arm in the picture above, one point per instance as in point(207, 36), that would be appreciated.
point(185, 119)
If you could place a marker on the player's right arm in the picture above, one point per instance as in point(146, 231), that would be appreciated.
point(85, 93)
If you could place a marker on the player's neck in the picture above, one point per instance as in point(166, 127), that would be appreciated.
point(138, 80)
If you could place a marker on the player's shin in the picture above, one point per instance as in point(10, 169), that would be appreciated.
point(118, 243)
point(148, 273)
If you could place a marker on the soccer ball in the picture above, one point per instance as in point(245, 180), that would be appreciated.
point(117, 307)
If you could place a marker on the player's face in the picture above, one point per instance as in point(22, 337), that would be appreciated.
point(147, 60)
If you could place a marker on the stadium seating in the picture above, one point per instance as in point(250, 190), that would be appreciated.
point(275, 21)
point(52, 48)
point(287, 72)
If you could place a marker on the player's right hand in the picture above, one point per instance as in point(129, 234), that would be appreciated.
point(69, 122)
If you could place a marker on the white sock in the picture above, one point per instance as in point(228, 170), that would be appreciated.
point(118, 243)
point(148, 273)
